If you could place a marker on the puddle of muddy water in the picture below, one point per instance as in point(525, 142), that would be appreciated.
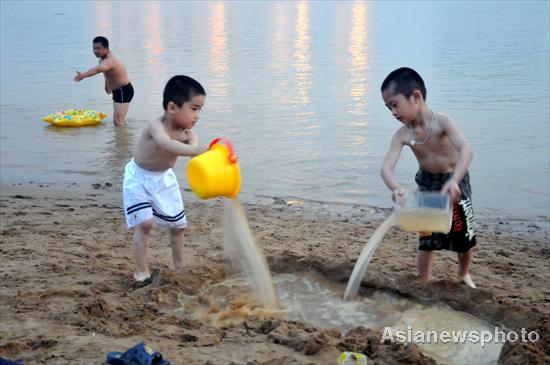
point(312, 298)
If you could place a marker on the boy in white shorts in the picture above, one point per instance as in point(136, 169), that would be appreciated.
point(150, 189)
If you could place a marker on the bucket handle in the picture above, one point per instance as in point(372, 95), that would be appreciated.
point(232, 157)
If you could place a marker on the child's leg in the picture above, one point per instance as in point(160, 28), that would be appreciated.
point(141, 248)
point(464, 263)
point(424, 262)
point(177, 239)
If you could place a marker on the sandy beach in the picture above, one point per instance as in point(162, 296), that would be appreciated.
point(68, 295)
point(295, 86)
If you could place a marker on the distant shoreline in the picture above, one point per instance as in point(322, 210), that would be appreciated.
point(338, 209)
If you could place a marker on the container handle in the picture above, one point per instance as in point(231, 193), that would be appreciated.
point(232, 157)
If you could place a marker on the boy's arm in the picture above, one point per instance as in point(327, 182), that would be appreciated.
point(389, 164)
point(102, 67)
point(193, 139)
point(157, 132)
point(464, 159)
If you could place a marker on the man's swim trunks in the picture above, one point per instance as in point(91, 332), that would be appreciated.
point(124, 94)
point(462, 235)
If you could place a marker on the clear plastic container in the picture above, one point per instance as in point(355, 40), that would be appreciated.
point(421, 211)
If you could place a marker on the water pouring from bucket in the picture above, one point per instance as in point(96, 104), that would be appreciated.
point(216, 173)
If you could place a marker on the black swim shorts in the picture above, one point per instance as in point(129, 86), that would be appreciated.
point(124, 94)
point(462, 237)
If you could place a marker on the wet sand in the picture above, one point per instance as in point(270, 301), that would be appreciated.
point(68, 295)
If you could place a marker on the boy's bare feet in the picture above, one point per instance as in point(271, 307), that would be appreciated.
point(147, 279)
point(141, 276)
point(468, 281)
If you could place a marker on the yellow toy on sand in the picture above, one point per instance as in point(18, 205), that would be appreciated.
point(351, 358)
point(74, 118)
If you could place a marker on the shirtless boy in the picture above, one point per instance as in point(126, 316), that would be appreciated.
point(443, 156)
point(150, 189)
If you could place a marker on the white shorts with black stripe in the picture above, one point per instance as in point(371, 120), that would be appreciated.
point(152, 194)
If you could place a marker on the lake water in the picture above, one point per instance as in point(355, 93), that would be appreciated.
point(294, 85)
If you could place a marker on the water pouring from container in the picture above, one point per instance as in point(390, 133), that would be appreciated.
point(216, 173)
point(417, 211)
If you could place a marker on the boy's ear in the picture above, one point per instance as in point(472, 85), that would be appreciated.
point(417, 95)
point(171, 107)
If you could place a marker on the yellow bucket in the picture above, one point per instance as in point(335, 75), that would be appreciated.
point(215, 172)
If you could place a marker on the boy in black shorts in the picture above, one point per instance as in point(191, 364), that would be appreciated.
point(443, 156)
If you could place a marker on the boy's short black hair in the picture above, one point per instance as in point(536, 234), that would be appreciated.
point(180, 89)
point(404, 81)
point(100, 39)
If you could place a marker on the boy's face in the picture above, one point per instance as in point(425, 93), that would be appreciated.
point(403, 109)
point(188, 115)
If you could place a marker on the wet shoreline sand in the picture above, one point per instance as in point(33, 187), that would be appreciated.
point(68, 295)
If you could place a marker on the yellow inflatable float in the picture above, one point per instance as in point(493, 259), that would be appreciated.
point(74, 118)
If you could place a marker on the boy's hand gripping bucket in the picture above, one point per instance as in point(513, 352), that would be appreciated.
point(216, 172)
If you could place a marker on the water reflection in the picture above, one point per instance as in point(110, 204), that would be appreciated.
point(280, 38)
point(65, 134)
point(120, 149)
point(103, 18)
point(302, 57)
point(124, 41)
point(153, 41)
point(218, 50)
point(279, 42)
point(358, 59)
point(339, 36)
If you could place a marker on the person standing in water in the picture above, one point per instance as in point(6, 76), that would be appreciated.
point(116, 79)
point(443, 156)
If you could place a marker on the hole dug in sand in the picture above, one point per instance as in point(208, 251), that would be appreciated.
point(309, 298)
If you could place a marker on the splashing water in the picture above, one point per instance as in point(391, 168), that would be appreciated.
point(241, 248)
